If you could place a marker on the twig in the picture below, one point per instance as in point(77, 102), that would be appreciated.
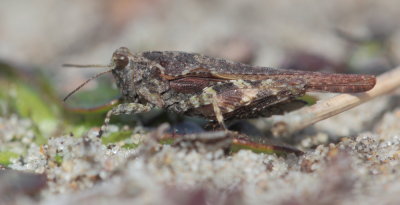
point(307, 116)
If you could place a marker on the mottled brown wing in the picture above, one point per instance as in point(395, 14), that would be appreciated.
point(256, 109)
point(192, 85)
point(246, 99)
point(257, 94)
point(180, 64)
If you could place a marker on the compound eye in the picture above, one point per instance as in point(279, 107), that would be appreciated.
point(121, 61)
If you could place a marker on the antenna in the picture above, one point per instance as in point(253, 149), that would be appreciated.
point(86, 66)
point(87, 81)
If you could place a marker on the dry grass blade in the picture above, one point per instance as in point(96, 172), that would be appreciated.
point(305, 117)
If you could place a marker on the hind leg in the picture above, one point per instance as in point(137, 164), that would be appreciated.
point(216, 106)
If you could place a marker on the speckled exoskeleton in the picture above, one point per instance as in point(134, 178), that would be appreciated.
point(216, 89)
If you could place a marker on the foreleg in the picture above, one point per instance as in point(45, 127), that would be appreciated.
point(125, 108)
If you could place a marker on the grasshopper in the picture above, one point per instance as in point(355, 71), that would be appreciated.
point(213, 88)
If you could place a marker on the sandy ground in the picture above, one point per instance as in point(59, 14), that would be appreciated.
point(362, 169)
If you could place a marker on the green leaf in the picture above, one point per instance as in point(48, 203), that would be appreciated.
point(310, 100)
point(116, 137)
point(58, 159)
point(130, 146)
point(6, 156)
point(30, 104)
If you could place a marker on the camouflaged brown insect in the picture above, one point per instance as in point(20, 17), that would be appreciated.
point(216, 89)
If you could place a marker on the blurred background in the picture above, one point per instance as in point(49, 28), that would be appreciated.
point(336, 36)
point(37, 37)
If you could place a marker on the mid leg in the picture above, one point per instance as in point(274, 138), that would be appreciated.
point(125, 108)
